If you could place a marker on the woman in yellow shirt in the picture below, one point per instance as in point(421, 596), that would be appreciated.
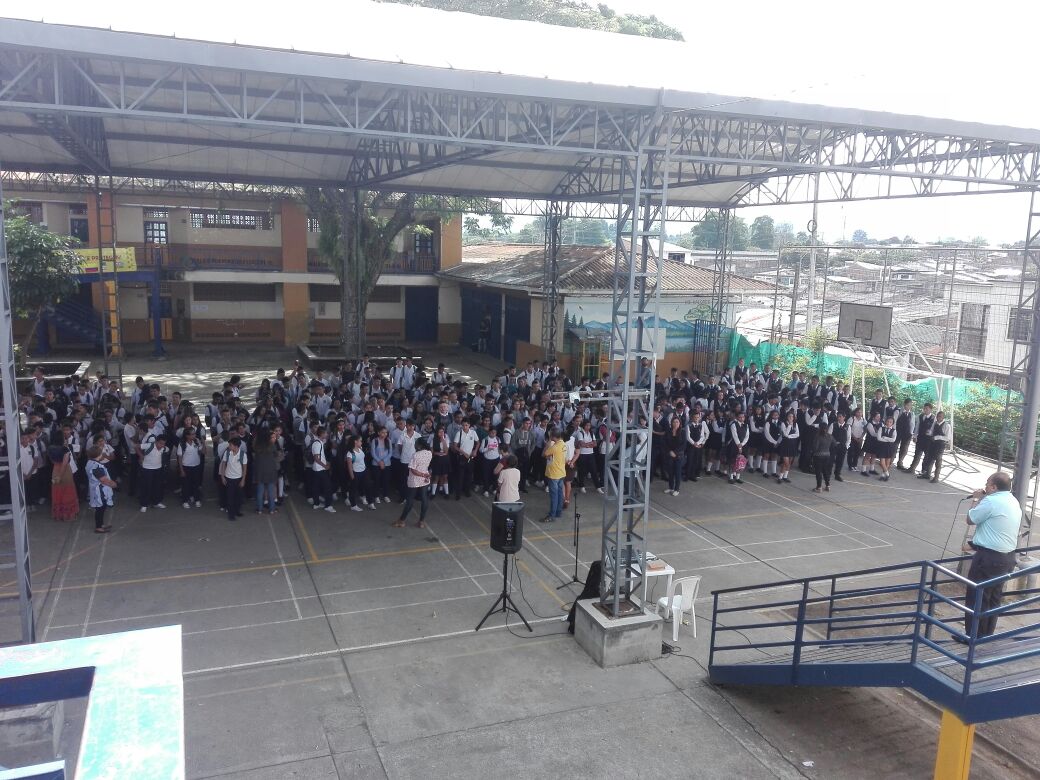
point(555, 454)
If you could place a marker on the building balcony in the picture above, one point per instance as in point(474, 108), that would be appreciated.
point(399, 263)
point(190, 257)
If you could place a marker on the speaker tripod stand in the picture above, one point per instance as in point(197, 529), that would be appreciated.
point(504, 599)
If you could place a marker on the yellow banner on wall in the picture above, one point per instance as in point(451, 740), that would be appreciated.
point(126, 259)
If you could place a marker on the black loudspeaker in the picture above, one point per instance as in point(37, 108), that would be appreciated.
point(507, 527)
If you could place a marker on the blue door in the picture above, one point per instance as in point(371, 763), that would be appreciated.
point(420, 314)
point(475, 304)
point(518, 325)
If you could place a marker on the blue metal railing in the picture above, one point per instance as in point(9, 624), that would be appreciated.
point(885, 623)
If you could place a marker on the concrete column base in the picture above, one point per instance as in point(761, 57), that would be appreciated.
point(617, 641)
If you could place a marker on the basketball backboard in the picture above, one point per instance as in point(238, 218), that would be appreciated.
point(865, 324)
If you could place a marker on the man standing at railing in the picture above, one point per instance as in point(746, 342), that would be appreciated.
point(996, 515)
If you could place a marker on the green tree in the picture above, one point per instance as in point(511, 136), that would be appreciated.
point(783, 234)
point(42, 266)
point(356, 236)
point(762, 232)
point(473, 232)
point(563, 13)
point(707, 234)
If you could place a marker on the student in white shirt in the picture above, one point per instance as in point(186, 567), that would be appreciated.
point(359, 481)
point(490, 448)
point(320, 468)
point(464, 445)
point(190, 457)
point(151, 451)
point(233, 466)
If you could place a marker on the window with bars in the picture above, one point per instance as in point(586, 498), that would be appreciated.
point(1019, 321)
point(423, 245)
point(155, 233)
point(78, 209)
point(79, 228)
point(313, 225)
point(233, 220)
point(156, 213)
point(30, 209)
point(231, 291)
point(971, 335)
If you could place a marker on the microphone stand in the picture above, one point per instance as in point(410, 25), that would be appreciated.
point(577, 524)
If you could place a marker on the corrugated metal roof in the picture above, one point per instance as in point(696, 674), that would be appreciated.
point(581, 269)
point(385, 48)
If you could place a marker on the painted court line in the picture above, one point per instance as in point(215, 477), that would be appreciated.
point(768, 498)
point(270, 602)
point(458, 563)
point(289, 502)
point(355, 649)
point(61, 584)
point(93, 590)
point(285, 571)
point(667, 515)
point(324, 615)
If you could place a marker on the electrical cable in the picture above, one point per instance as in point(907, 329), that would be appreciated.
point(529, 634)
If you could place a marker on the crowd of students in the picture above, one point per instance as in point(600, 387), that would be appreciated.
point(753, 421)
point(368, 435)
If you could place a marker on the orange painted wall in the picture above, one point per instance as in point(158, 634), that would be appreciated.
point(451, 242)
point(294, 237)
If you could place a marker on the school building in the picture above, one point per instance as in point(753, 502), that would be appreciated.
point(234, 272)
point(249, 272)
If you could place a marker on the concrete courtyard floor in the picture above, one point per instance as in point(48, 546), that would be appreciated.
point(334, 646)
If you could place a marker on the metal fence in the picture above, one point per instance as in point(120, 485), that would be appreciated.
point(955, 318)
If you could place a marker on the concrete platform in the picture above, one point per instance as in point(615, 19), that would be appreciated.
point(616, 641)
point(334, 646)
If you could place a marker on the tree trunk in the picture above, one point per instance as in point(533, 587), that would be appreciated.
point(351, 319)
point(32, 332)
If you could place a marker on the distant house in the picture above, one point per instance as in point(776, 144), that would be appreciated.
point(506, 281)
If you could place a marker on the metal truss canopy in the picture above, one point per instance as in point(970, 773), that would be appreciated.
point(83, 101)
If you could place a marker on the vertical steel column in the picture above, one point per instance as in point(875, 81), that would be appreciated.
point(550, 276)
point(13, 508)
point(720, 287)
point(633, 336)
point(1025, 368)
point(111, 325)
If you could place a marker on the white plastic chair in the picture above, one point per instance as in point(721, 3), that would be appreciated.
point(674, 605)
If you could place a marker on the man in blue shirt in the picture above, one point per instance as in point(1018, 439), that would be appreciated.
point(996, 515)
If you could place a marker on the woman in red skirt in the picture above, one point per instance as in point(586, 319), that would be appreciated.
point(64, 501)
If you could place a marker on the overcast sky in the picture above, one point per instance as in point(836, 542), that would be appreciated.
point(947, 59)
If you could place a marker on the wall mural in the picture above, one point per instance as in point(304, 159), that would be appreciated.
point(677, 318)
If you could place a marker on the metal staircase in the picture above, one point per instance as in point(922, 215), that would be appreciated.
point(75, 323)
point(896, 626)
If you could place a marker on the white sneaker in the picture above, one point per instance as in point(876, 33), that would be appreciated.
point(186, 505)
point(547, 490)
point(486, 494)
point(310, 500)
point(583, 490)
point(144, 509)
point(376, 500)
point(160, 506)
point(331, 509)
point(356, 508)
point(386, 499)
point(198, 504)
point(600, 490)
point(675, 492)
point(668, 491)
point(372, 507)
